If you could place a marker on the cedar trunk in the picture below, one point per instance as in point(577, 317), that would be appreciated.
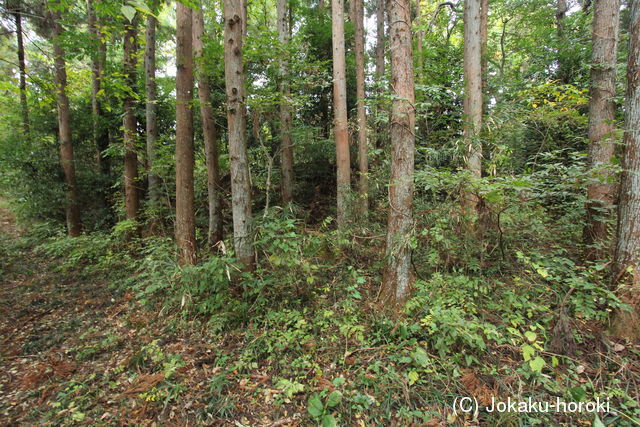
point(286, 143)
point(23, 74)
point(74, 225)
point(398, 277)
point(626, 261)
point(129, 122)
point(185, 215)
point(472, 98)
point(151, 108)
point(380, 12)
point(100, 132)
point(340, 130)
point(602, 111)
point(363, 161)
point(237, 131)
point(210, 133)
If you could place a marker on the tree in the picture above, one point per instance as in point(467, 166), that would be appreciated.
point(363, 162)
point(340, 130)
point(561, 11)
point(210, 133)
point(484, 26)
point(74, 224)
point(380, 9)
point(17, 15)
point(472, 98)
point(151, 108)
point(237, 131)
point(98, 57)
point(185, 215)
point(286, 143)
point(398, 277)
point(129, 121)
point(602, 111)
point(626, 260)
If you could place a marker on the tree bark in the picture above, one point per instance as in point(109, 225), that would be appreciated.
point(23, 75)
point(74, 224)
point(484, 25)
point(210, 133)
point(340, 130)
point(129, 121)
point(398, 277)
point(185, 214)
point(626, 261)
point(286, 143)
point(363, 161)
point(561, 10)
point(100, 133)
point(602, 111)
point(380, 38)
point(419, 45)
point(237, 131)
point(151, 108)
point(472, 98)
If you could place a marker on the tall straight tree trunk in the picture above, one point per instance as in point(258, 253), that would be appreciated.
point(340, 130)
point(151, 108)
point(185, 214)
point(602, 111)
point(131, 197)
point(419, 45)
point(363, 161)
point(210, 133)
point(74, 224)
point(380, 12)
point(484, 25)
point(398, 278)
point(286, 143)
point(472, 98)
point(561, 11)
point(237, 131)
point(100, 133)
point(627, 252)
point(23, 74)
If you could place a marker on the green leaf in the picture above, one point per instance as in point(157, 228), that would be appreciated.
point(421, 357)
point(128, 11)
point(334, 398)
point(531, 336)
point(527, 352)
point(578, 393)
point(328, 421)
point(315, 406)
point(413, 377)
point(537, 364)
point(597, 422)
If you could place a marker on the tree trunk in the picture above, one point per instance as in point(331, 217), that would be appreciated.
point(602, 111)
point(210, 133)
point(363, 161)
point(185, 214)
point(340, 130)
point(419, 45)
point(484, 25)
point(286, 143)
point(23, 75)
point(398, 277)
point(100, 134)
point(129, 123)
point(626, 261)
point(561, 10)
point(380, 9)
point(237, 131)
point(151, 108)
point(74, 225)
point(472, 98)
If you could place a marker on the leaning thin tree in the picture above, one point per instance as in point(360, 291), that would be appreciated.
point(626, 260)
point(398, 277)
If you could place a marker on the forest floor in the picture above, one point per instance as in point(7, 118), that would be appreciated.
point(77, 349)
point(79, 352)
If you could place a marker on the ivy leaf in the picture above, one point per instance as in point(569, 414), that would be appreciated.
point(315, 406)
